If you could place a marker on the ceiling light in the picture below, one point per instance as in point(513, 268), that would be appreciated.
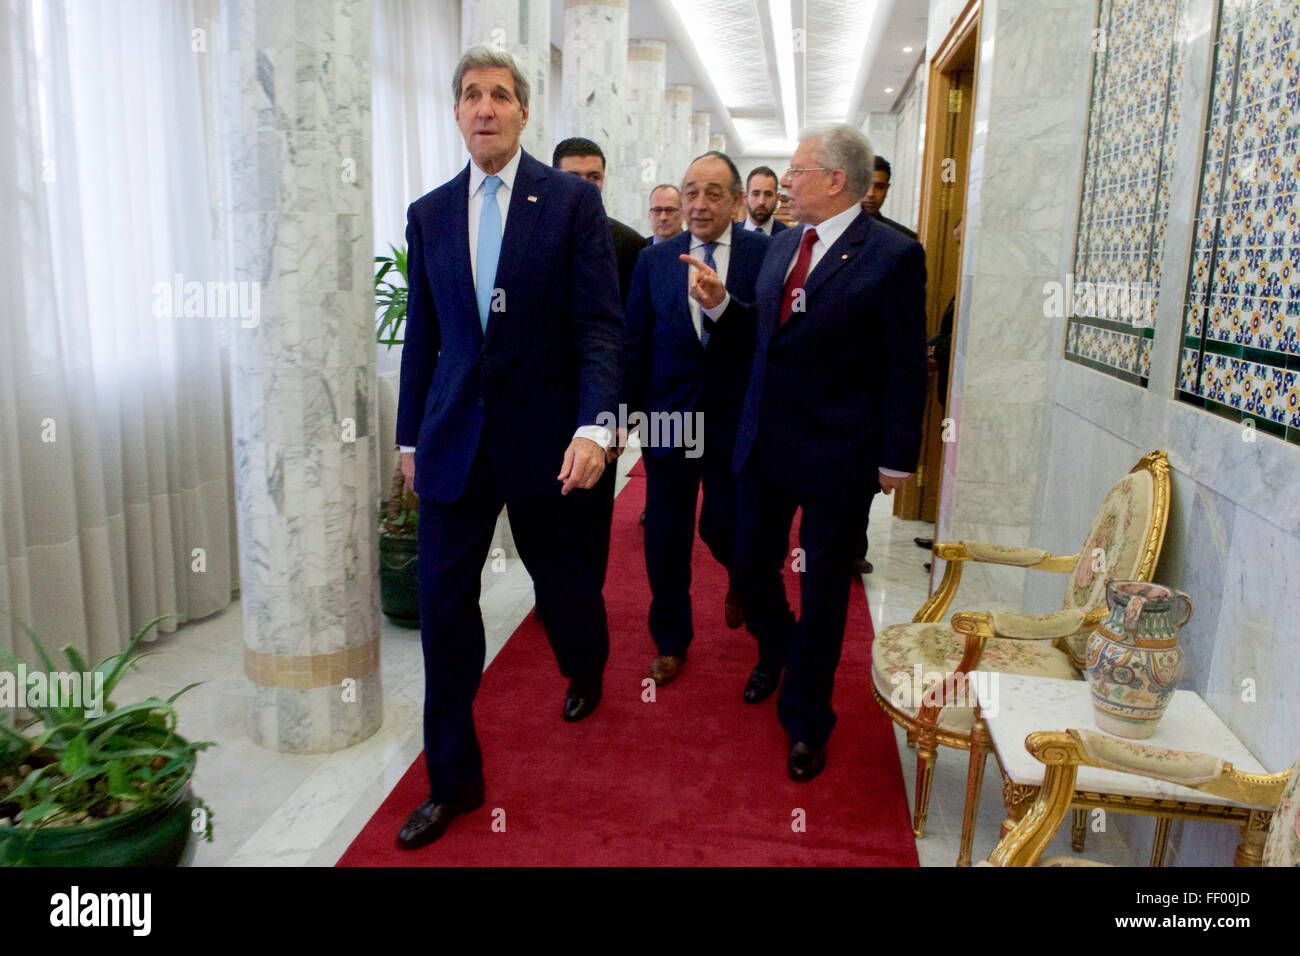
point(783, 40)
point(907, 49)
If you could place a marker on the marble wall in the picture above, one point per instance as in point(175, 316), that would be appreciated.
point(699, 134)
point(594, 80)
point(1030, 100)
point(303, 374)
point(677, 153)
point(640, 165)
point(1233, 542)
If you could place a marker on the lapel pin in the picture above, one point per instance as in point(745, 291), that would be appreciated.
point(532, 199)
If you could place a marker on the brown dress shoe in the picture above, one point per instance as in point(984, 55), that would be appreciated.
point(665, 668)
point(733, 609)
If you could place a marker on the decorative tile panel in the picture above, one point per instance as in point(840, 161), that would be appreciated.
point(1241, 348)
point(1132, 121)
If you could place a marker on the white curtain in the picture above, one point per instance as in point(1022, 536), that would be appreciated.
point(416, 143)
point(116, 493)
point(416, 147)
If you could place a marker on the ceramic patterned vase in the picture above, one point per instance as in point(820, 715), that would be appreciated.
point(1133, 661)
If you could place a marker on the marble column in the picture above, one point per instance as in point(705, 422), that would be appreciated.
point(718, 141)
point(699, 134)
point(593, 78)
point(640, 166)
point(303, 370)
point(523, 29)
point(677, 133)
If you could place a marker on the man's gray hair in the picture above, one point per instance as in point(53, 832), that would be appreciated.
point(484, 57)
point(843, 147)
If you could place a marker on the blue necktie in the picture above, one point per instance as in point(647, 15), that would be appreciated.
point(705, 321)
point(489, 248)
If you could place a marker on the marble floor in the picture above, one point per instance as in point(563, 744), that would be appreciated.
point(273, 809)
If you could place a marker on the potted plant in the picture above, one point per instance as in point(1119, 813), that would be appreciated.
point(398, 585)
point(87, 782)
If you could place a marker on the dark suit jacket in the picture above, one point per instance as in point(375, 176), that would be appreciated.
point(838, 390)
point(628, 244)
point(667, 367)
point(777, 227)
point(897, 225)
point(548, 363)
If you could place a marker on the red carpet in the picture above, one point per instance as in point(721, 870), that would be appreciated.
point(696, 778)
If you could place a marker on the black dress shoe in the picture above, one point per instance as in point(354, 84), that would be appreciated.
point(581, 698)
point(862, 566)
point(429, 820)
point(926, 543)
point(805, 762)
point(760, 685)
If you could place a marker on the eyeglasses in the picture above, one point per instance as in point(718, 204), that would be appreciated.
point(805, 169)
point(664, 210)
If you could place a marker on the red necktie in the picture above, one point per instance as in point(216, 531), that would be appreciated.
point(794, 284)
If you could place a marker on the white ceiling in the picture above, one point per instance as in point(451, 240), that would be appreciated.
point(743, 58)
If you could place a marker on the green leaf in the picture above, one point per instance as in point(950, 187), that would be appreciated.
point(117, 779)
point(76, 755)
point(29, 783)
point(187, 687)
point(39, 812)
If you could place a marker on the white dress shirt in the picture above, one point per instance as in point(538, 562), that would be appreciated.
point(828, 232)
point(597, 433)
point(766, 228)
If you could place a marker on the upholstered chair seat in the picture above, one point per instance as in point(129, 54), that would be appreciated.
point(917, 668)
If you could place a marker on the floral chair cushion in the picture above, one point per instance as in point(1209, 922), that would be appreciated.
point(907, 660)
point(1283, 845)
point(1116, 542)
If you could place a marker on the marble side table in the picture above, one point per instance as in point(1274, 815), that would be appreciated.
point(1009, 707)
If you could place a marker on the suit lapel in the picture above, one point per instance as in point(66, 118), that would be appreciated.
point(459, 237)
point(523, 216)
point(770, 290)
point(848, 249)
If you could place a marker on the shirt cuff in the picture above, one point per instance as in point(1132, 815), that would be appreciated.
point(890, 473)
point(405, 448)
point(597, 433)
point(718, 309)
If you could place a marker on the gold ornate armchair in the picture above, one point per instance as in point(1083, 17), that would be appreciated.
point(1275, 794)
point(918, 669)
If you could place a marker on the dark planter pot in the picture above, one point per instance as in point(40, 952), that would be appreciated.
point(160, 835)
point(398, 584)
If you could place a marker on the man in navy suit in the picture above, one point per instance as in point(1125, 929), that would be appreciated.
point(761, 198)
point(834, 404)
point(512, 358)
point(687, 370)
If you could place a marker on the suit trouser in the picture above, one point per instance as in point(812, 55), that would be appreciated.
point(602, 494)
point(809, 649)
point(861, 550)
point(550, 532)
point(672, 491)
